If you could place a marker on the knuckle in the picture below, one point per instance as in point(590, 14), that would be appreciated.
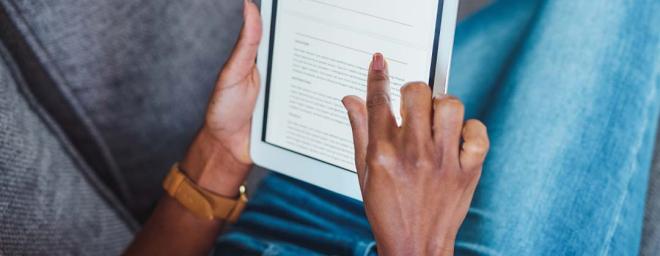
point(378, 99)
point(423, 164)
point(417, 115)
point(448, 102)
point(378, 77)
point(415, 88)
point(477, 146)
point(476, 125)
point(478, 141)
point(378, 162)
point(379, 155)
point(356, 111)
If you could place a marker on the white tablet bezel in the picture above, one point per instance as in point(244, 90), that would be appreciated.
point(315, 171)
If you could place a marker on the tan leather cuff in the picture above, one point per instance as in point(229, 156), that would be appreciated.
point(201, 202)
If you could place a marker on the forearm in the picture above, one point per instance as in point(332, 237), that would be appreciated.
point(174, 230)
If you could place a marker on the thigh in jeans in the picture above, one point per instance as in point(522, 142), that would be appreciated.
point(571, 118)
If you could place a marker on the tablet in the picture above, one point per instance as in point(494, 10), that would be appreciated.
point(315, 52)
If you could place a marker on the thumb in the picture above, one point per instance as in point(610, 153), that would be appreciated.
point(242, 60)
point(357, 114)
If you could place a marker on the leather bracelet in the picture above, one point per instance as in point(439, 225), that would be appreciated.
point(201, 202)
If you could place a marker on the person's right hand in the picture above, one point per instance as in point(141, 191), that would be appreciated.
point(417, 180)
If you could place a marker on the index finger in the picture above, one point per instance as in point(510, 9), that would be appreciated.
point(379, 107)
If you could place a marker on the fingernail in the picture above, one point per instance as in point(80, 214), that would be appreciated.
point(378, 62)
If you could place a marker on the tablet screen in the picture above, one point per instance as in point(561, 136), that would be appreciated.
point(320, 51)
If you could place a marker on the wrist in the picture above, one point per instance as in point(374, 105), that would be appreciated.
point(435, 244)
point(443, 250)
point(443, 246)
point(211, 165)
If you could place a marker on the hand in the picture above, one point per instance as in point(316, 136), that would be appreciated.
point(219, 158)
point(417, 180)
point(229, 113)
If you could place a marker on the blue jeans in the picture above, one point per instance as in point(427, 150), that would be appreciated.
point(569, 92)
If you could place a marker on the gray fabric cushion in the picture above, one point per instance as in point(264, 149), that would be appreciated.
point(651, 236)
point(135, 76)
point(48, 206)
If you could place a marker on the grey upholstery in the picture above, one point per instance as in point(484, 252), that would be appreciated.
point(128, 80)
point(49, 204)
point(651, 235)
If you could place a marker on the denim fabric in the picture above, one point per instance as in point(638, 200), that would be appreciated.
point(572, 118)
point(288, 217)
point(569, 92)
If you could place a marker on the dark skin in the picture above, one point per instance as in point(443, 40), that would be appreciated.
point(417, 179)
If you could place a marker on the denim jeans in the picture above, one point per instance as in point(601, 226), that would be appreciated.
point(568, 90)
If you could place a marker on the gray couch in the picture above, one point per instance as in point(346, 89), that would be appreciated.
point(97, 98)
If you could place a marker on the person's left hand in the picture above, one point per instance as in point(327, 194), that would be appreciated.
point(229, 113)
point(219, 159)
